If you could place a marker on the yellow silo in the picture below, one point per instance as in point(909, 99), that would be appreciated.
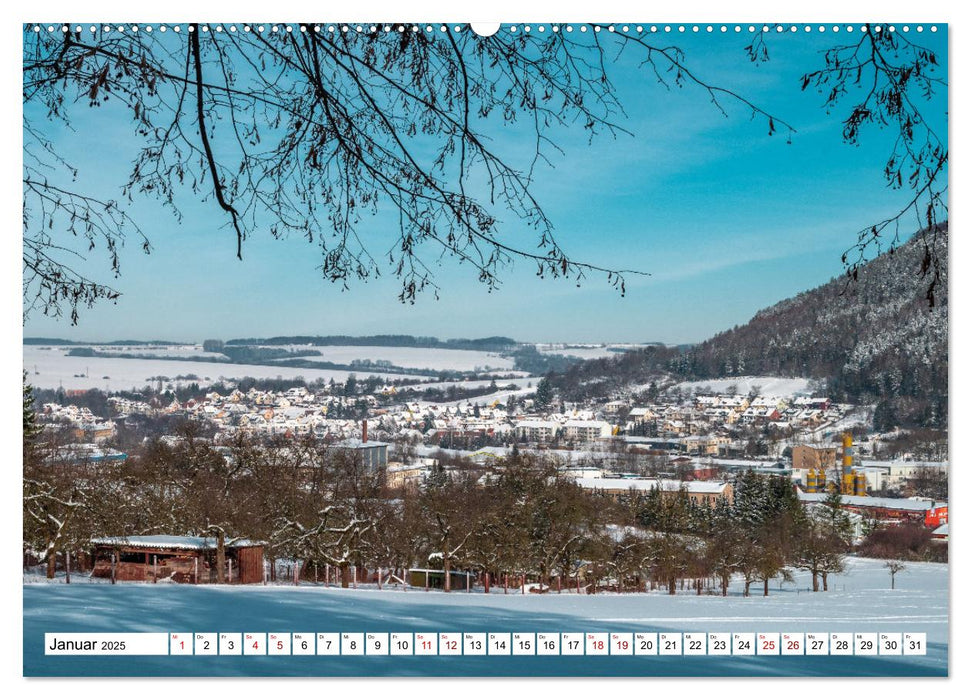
point(847, 452)
point(847, 479)
point(812, 483)
point(860, 479)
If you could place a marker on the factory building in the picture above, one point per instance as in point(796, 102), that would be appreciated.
point(820, 478)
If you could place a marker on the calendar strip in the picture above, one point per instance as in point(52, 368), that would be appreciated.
point(487, 644)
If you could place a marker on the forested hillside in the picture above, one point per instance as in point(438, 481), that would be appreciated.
point(873, 339)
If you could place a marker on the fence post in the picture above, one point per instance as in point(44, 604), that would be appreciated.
point(114, 558)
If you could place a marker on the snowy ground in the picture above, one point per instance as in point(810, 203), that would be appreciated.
point(767, 386)
point(860, 600)
point(182, 351)
point(586, 352)
point(48, 368)
point(416, 358)
point(520, 379)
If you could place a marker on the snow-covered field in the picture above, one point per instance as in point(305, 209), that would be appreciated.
point(520, 379)
point(858, 601)
point(766, 386)
point(181, 351)
point(48, 368)
point(416, 358)
point(584, 351)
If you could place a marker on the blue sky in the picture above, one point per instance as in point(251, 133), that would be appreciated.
point(726, 219)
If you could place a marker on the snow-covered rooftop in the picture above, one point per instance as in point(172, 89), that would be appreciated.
point(169, 542)
point(358, 444)
point(617, 484)
point(873, 502)
point(693, 486)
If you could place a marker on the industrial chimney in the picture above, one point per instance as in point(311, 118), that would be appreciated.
point(364, 430)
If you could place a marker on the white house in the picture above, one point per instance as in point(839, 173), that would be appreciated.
point(587, 430)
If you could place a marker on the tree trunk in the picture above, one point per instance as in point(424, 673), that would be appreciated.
point(220, 557)
point(891, 581)
point(747, 585)
point(672, 586)
point(51, 564)
point(825, 580)
point(765, 587)
point(724, 580)
point(815, 581)
point(448, 579)
point(345, 576)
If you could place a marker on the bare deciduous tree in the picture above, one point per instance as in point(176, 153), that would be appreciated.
point(895, 568)
point(306, 132)
point(888, 78)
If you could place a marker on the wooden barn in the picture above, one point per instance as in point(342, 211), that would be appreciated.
point(435, 578)
point(154, 558)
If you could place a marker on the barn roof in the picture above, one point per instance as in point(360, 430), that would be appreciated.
point(170, 542)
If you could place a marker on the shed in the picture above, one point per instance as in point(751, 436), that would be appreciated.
point(176, 558)
point(435, 578)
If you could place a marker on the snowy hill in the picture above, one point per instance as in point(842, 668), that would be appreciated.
point(873, 340)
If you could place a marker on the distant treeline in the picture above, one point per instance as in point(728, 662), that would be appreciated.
point(62, 341)
point(529, 359)
point(278, 357)
point(241, 354)
point(492, 344)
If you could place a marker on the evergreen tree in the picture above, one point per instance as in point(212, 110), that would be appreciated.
point(544, 393)
point(836, 518)
point(31, 429)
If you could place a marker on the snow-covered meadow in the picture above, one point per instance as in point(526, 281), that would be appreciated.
point(859, 600)
point(591, 351)
point(51, 367)
point(413, 358)
point(766, 386)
